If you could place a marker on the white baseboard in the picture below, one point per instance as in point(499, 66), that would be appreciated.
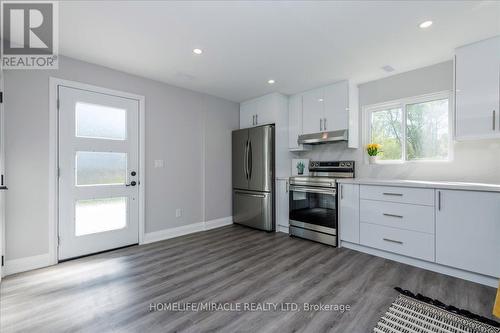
point(431, 266)
point(26, 264)
point(217, 223)
point(282, 228)
point(157, 236)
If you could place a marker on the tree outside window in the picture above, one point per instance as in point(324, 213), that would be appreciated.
point(412, 129)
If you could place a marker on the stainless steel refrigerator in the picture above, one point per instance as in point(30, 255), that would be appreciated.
point(253, 177)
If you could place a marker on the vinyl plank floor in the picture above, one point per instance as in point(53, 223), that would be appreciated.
point(113, 291)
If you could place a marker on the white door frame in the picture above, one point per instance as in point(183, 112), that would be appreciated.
point(54, 158)
point(2, 171)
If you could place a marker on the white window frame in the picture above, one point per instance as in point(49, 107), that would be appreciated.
point(402, 103)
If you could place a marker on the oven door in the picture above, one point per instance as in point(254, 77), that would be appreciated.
point(313, 208)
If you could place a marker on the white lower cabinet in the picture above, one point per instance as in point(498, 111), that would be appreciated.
point(456, 231)
point(468, 230)
point(281, 205)
point(349, 213)
point(409, 243)
point(396, 215)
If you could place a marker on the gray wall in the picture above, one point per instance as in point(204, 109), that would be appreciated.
point(189, 130)
point(475, 161)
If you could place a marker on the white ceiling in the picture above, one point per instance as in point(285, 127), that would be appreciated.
point(301, 45)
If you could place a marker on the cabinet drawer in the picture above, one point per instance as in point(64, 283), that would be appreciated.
point(405, 242)
point(398, 215)
point(417, 196)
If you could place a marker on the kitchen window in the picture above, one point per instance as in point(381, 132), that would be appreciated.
point(411, 129)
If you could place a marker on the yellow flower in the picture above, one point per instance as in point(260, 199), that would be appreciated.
point(373, 149)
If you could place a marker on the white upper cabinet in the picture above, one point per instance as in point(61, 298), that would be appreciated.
point(468, 231)
point(313, 109)
point(336, 104)
point(326, 109)
point(248, 110)
point(477, 73)
point(261, 111)
point(270, 109)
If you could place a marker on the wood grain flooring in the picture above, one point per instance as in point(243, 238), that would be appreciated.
point(112, 292)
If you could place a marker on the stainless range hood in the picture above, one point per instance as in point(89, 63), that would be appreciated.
point(324, 137)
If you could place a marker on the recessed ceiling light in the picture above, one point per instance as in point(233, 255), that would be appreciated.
point(425, 24)
point(271, 81)
point(388, 68)
point(197, 51)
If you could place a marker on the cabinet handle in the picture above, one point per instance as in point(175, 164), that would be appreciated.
point(439, 200)
point(320, 124)
point(253, 120)
point(393, 215)
point(393, 194)
point(341, 192)
point(494, 120)
point(287, 186)
point(256, 119)
point(324, 124)
point(392, 241)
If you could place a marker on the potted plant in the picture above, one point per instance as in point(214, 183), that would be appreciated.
point(373, 149)
point(300, 168)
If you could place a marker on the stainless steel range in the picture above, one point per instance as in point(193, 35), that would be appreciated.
point(313, 201)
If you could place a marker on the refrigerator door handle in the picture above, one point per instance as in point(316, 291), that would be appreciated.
point(245, 161)
point(249, 159)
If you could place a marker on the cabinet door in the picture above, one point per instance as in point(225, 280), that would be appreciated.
point(477, 70)
point(468, 231)
point(267, 106)
point(247, 111)
point(336, 106)
point(281, 204)
point(294, 121)
point(349, 213)
point(312, 111)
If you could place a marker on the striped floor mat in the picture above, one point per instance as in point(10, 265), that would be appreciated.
point(409, 315)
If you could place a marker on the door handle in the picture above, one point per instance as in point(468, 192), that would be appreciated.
point(132, 183)
point(248, 194)
point(393, 194)
point(250, 159)
point(392, 241)
point(245, 160)
point(394, 215)
point(439, 200)
point(494, 120)
point(320, 124)
point(324, 124)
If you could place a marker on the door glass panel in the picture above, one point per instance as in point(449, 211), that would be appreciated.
point(100, 122)
point(313, 208)
point(96, 168)
point(99, 215)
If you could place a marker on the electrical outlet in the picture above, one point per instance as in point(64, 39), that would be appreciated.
point(178, 212)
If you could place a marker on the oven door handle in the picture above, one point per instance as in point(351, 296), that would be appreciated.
point(312, 190)
point(298, 183)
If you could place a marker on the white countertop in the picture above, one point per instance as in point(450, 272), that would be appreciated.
point(423, 184)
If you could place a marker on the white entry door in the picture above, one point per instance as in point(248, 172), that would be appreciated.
point(98, 172)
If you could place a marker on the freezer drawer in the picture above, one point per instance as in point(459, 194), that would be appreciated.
point(253, 209)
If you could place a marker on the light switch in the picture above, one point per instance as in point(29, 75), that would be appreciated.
point(159, 163)
point(178, 212)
